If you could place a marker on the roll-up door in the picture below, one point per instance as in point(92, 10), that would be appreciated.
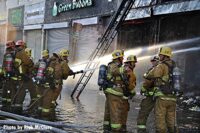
point(87, 42)
point(57, 39)
point(2, 42)
point(33, 40)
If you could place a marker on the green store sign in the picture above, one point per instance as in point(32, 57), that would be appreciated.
point(15, 16)
point(59, 8)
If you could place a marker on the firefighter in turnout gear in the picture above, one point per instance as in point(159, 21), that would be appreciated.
point(147, 104)
point(53, 82)
point(165, 106)
point(29, 82)
point(40, 80)
point(66, 71)
point(9, 76)
point(129, 90)
point(22, 64)
point(114, 93)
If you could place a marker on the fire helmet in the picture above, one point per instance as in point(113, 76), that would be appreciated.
point(28, 51)
point(20, 43)
point(64, 52)
point(10, 44)
point(167, 51)
point(45, 53)
point(117, 54)
point(131, 58)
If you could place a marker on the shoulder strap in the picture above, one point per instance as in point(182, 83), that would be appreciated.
point(170, 67)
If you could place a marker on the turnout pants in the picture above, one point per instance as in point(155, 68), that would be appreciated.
point(124, 115)
point(8, 92)
point(165, 115)
point(146, 106)
point(113, 112)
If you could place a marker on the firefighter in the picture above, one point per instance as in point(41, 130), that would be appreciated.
point(114, 93)
point(9, 76)
point(166, 100)
point(129, 91)
point(66, 71)
point(147, 104)
point(40, 80)
point(54, 80)
point(29, 83)
point(23, 64)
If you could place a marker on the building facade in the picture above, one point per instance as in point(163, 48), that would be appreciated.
point(76, 25)
point(170, 22)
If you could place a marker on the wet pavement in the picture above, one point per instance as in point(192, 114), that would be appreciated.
point(87, 114)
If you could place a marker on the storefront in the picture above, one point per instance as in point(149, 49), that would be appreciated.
point(57, 36)
point(87, 14)
point(175, 24)
point(33, 33)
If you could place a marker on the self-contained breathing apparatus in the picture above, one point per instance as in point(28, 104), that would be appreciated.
point(9, 65)
point(173, 85)
point(104, 83)
point(102, 78)
point(40, 74)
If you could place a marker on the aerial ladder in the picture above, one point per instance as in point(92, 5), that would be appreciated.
point(103, 45)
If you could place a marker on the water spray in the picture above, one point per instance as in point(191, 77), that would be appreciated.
point(136, 51)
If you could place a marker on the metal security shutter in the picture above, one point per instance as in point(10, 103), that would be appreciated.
point(87, 42)
point(2, 42)
point(33, 41)
point(57, 39)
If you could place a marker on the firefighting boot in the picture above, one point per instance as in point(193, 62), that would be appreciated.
point(142, 130)
point(106, 128)
point(17, 110)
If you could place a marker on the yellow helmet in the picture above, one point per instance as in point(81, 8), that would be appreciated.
point(167, 51)
point(131, 58)
point(28, 51)
point(45, 53)
point(117, 54)
point(64, 52)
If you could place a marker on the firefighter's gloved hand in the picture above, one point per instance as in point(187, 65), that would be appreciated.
point(145, 75)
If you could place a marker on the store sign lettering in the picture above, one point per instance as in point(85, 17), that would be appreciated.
point(59, 8)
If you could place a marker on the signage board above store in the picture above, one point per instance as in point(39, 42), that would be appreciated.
point(15, 16)
point(75, 4)
point(34, 14)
